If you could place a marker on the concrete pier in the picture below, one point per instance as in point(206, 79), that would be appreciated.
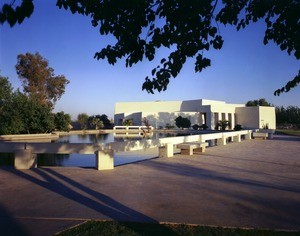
point(25, 159)
point(105, 160)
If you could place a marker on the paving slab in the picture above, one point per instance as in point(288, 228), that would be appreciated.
point(254, 184)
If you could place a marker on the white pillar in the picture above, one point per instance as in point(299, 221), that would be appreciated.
point(225, 116)
point(201, 119)
point(210, 120)
point(248, 136)
point(232, 120)
point(25, 159)
point(166, 151)
point(105, 159)
point(218, 118)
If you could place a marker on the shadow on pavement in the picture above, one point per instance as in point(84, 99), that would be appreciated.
point(9, 225)
point(57, 183)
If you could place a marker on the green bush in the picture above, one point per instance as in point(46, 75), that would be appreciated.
point(238, 127)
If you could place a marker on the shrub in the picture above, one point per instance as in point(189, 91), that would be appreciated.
point(168, 126)
point(196, 127)
point(238, 127)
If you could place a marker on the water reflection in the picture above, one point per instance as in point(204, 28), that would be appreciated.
point(82, 160)
point(99, 138)
point(86, 138)
point(52, 159)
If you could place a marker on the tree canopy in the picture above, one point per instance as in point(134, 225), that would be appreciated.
point(188, 28)
point(5, 91)
point(22, 113)
point(182, 122)
point(82, 119)
point(258, 102)
point(38, 79)
point(62, 121)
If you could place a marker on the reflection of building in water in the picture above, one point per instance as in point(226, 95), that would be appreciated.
point(201, 111)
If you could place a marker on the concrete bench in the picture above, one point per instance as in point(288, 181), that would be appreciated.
point(260, 135)
point(190, 147)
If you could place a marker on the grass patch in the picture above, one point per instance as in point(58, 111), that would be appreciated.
point(288, 132)
point(110, 228)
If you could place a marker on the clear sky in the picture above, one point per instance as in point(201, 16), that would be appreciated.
point(244, 69)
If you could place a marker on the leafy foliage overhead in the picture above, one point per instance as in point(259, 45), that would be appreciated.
point(13, 15)
point(188, 28)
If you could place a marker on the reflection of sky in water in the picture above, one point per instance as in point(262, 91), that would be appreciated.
point(88, 160)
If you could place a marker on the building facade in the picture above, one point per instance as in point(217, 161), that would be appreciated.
point(200, 112)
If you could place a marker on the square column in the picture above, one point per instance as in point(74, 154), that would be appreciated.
point(231, 120)
point(25, 159)
point(210, 120)
point(248, 136)
point(105, 159)
point(225, 117)
point(166, 151)
point(201, 120)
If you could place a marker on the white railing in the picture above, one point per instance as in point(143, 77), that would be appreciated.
point(132, 127)
point(222, 137)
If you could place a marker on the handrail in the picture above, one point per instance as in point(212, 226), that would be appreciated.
point(132, 127)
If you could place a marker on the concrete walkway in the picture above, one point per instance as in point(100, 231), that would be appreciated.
point(255, 183)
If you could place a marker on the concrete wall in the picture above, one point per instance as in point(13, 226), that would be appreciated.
point(160, 113)
point(173, 106)
point(248, 117)
point(158, 106)
point(256, 117)
point(119, 118)
point(267, 117)
point(161, 119)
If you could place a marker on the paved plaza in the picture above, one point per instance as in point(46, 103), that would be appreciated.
point(254, 184)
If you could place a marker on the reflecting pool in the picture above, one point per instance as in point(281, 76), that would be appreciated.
point(88, 160)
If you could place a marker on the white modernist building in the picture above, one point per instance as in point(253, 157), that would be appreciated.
point(201, 111)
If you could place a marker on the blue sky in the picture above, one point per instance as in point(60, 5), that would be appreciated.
point(244, 69)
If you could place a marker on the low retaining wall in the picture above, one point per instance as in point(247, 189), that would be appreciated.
point(107, 150)
point(29, 137)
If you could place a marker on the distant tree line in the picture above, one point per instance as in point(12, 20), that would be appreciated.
point(85, 121)
point(288, 117)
